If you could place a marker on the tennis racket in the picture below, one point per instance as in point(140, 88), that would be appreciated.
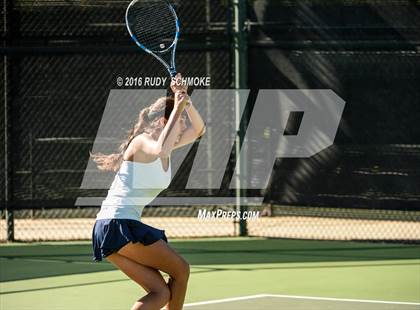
point(154, 27)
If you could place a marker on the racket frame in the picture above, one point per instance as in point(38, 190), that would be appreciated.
point(171, 66)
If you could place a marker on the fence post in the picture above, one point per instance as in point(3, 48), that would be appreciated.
point(8, 192)
point(240, 74)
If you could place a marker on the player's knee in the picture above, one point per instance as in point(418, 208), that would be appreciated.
point(183, 271)
point(187, 270)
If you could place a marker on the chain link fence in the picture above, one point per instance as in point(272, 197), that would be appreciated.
point(61, 58)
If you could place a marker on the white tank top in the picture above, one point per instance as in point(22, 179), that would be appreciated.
point(135, 185)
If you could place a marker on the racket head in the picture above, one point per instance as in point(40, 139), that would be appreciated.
point(153, 25)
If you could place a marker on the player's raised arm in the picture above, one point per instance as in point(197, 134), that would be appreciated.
point(197, 128)
point(172, 130)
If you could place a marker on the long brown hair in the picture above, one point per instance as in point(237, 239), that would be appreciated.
point(148, 119)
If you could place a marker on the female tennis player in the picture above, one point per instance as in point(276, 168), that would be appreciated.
point(144, 170)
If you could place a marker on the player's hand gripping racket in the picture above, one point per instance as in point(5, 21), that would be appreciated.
point(154, 26)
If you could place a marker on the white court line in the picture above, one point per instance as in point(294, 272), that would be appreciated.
point(215, 301)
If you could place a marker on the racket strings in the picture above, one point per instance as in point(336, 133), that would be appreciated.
point(153, 25)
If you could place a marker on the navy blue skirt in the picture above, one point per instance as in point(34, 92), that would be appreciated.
point(110, 235)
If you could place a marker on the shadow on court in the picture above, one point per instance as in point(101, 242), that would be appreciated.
point(28, 261)
point(281, 302)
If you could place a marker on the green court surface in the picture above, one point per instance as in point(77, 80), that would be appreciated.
point(236, 273)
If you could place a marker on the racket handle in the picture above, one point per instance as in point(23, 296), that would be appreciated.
point(172, 72)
